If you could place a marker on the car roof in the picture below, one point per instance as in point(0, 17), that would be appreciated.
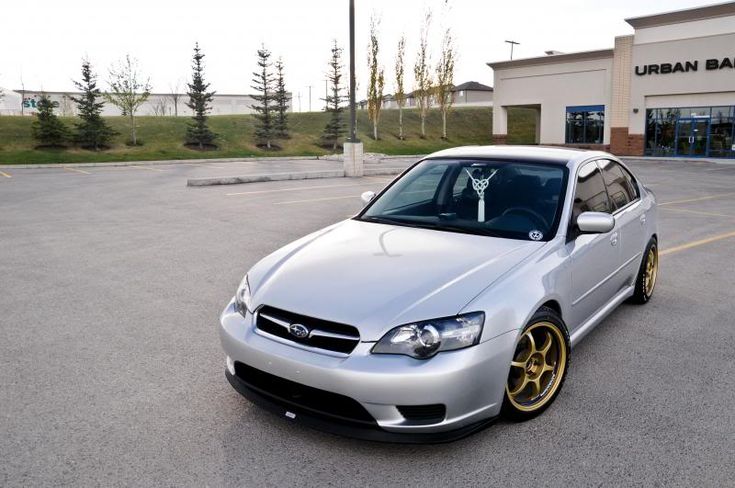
point(553, 155)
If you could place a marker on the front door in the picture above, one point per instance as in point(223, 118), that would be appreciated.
point(594, 257)
point(691, 136)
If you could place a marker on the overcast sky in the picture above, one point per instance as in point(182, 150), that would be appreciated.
point(46, 39)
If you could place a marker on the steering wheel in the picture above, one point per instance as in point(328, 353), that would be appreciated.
point(535, 216)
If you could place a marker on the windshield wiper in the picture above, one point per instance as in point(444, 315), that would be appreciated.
point(385, 220)
point(443, 226)
point(466, 230)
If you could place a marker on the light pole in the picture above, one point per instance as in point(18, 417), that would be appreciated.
point(353, 160)
point(512, 45)
point(309, 98)
point(353, 114)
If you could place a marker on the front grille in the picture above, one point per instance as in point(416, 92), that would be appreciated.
point(423, 414)
point(299, 398)
point(322, 334)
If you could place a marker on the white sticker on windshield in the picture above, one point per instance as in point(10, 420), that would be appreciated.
point(536, 235)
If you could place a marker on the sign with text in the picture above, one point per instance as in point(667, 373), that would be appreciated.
point(713, 64)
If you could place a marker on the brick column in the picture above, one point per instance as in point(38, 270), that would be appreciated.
point(500, 139)
point(622, 143)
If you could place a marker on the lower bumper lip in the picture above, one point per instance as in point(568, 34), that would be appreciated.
point(356, 430)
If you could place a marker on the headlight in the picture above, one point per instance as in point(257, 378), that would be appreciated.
point(242, 297)
point(422, 340)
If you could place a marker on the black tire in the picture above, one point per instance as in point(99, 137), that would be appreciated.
point(545, 320)
point(643, 292)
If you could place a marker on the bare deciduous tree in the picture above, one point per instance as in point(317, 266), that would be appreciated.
point(377, 78)
point(445, 78)
point(128, 90)
point(400, 95)
point(175, 96)
point(422, 74)
point(160, 107)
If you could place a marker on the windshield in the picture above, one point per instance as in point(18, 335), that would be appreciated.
point(515, 200)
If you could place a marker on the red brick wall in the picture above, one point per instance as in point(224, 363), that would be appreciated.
point(624, 144)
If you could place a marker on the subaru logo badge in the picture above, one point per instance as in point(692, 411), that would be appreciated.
point(299, 331)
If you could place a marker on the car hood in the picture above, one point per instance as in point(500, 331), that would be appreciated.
point(377, 276)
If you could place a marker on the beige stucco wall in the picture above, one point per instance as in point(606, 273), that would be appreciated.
point(553, 87)
point(685, 30)
point(702, 87)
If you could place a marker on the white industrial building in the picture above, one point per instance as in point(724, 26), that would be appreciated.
point(668, 89)
point(157, 104)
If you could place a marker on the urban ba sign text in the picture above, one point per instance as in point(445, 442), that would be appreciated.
point(684, 67)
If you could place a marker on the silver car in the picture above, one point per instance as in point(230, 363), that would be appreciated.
point(454, 297)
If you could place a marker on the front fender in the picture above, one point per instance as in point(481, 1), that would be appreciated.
point(511, 302)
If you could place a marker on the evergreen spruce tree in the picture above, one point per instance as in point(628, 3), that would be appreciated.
point(282, 103)
point(47, 129)
point(200, 102)
point(92, 132)
point(265, 108)
point(335, 127)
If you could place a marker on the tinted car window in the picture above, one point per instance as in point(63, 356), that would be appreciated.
point(419, 190)
point(590, 194)
point(517, 200)
point(620, 184)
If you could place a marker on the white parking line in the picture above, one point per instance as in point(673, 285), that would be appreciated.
point(3, 173)
point(721, 169)
point(76, 170)
point(698, 199)
point(299, 188)
point(697, 212)
point(204, 165)
point(316, 200)
point(145, 167)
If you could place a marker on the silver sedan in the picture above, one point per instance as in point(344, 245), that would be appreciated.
point(454, 297)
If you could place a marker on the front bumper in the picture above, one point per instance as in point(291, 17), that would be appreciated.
point(470, 383)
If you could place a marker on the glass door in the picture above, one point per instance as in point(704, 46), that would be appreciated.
point(692, 135)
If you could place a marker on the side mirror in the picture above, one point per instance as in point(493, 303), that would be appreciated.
point(367, 197)
point(595, 222)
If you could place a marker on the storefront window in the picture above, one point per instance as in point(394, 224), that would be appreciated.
point(691, 132)
point(585, 124)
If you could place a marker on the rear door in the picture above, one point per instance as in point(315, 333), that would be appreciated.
point(629, 215)
point(594, 257)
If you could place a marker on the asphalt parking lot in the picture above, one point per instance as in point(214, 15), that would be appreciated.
point(111, 372)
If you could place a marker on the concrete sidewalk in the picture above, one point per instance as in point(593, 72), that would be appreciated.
point(335, 158)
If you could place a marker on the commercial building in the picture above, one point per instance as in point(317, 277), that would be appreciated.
point(666, 90)
point(157, 104)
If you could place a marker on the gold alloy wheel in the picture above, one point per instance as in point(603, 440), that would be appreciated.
point(536, 371)
point(649, 279)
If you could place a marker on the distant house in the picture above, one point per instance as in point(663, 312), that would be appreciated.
point(469, 94)
point(157, 103)
point(473, 94)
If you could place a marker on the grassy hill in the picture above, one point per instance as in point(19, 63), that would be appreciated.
point(162, 136)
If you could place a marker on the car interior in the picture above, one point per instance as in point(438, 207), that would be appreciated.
point(517, 199)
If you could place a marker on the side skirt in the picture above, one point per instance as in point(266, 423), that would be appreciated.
point(590, 324)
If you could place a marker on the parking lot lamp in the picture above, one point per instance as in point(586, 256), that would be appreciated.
point(353, 152)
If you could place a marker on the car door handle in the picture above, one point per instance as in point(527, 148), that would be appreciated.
point(643, 219)
point(614, 239)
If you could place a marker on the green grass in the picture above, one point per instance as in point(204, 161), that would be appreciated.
point(162, 137)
